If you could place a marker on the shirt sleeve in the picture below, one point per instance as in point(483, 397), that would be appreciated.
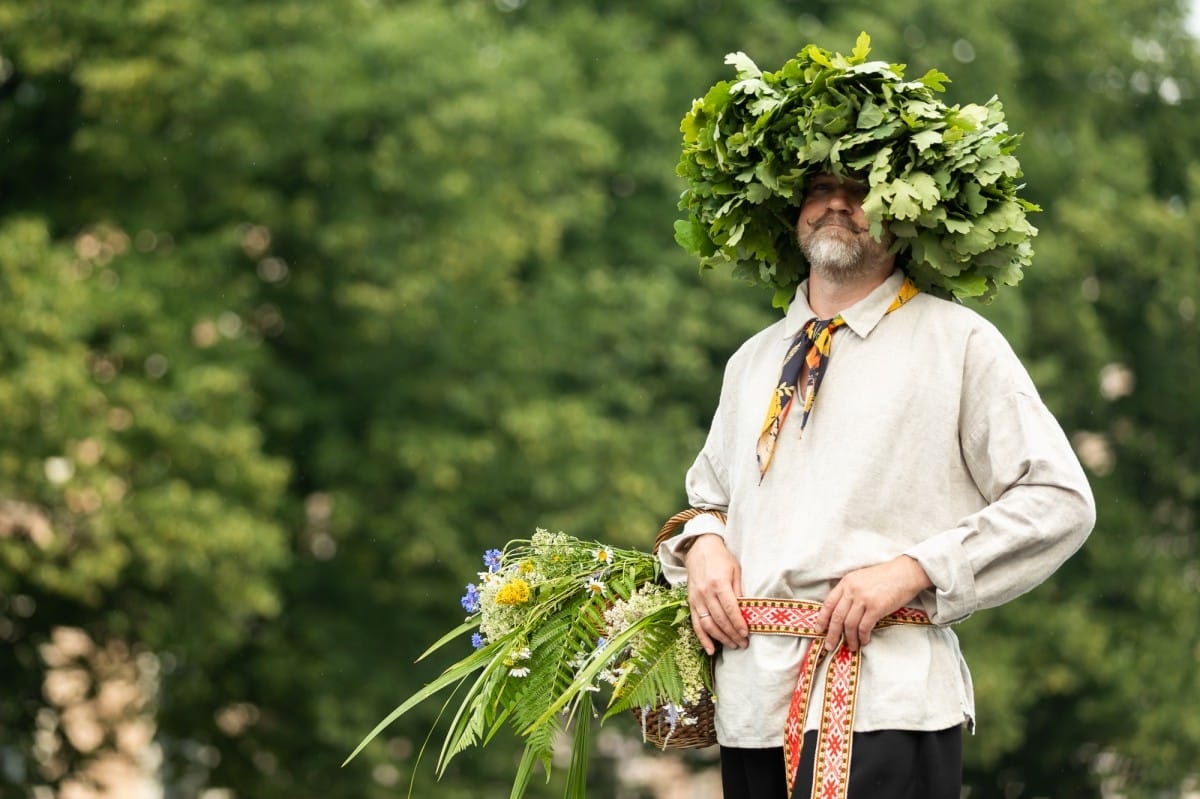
point(707, 484)
point(1039, 507)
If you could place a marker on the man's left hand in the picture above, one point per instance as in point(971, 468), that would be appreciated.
point(864, 596)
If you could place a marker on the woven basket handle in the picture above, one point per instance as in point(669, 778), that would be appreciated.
point(674, 524)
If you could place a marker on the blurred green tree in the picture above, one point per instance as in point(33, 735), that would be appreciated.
point(312, 303)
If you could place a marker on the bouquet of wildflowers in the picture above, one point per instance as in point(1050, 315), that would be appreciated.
point(562, 630)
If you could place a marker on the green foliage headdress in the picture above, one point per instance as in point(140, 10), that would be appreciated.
point(942, 178)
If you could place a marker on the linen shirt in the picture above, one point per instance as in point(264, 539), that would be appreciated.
point(927, 438)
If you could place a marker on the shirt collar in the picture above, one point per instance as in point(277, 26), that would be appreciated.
point(861, 317)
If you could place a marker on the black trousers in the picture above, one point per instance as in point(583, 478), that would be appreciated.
point(888, 764)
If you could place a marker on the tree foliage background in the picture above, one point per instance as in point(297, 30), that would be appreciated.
point(307, 304)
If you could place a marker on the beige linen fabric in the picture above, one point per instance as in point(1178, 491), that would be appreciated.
point(928, 438)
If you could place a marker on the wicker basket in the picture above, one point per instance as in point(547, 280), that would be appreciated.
point(656, 728)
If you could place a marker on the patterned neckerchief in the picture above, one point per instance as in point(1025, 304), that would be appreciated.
point(811, 347)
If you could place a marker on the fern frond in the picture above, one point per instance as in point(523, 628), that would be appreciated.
point(650, 682)
point(556, 649)
point(543, 741)
point(472, 716)
point(655, 675)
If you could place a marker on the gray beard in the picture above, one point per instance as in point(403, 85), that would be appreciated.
point(835, 256)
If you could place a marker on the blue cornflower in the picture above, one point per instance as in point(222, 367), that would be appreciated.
point(477, 641)
point(491, 559)
point(470, 601)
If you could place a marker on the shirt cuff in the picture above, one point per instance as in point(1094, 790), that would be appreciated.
point(673, 551)
point(949, 569)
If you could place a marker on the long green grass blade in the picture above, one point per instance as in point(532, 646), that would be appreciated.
point(524, 772)
point(580, 741)
point(455, 673)
point(467, 625)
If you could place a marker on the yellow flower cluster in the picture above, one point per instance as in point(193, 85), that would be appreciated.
point(515, 592)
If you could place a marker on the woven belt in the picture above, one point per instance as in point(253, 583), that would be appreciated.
point(831, 772)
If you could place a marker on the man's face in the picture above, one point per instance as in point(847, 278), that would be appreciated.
point(833, 232)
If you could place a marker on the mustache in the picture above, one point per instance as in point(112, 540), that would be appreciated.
point(836, 220)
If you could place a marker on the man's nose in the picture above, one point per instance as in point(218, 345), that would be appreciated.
point(839, 199)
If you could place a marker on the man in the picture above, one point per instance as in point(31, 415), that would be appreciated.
point(924, 474)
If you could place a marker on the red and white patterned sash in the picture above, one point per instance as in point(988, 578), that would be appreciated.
point(831, 772)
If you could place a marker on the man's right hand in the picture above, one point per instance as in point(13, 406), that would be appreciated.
point(714, 585)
